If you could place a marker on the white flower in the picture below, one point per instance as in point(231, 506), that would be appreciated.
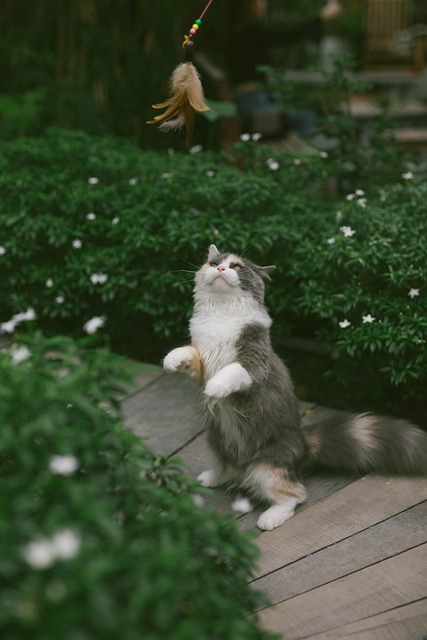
point(98, 278)
point(63, 465)
point(165, 176)
point(408, 175)
point(368, 319)
point(59, 299)
point(347, 231)
point(49, 283)
point(198, 500)
point(245, 137)
point(256, 137)
point(91, 215)
point(359, 192)
point(20, 354)
point(324, 154)
point(361, 202)
point(66, 544)
point(196, 149)
point(412, 293)
point(115, 220)
point(330, 240)
point(242, 505)
point(8, 327)
point(77, 244)
point(297, 161)
point(93, 180)
point(42, 553)
point(210, 174)
point(338, 216)
point(350, 196)
point(2, 251)
point(133, 181)
point(272, 164)
point(94, 324)
point(29, 314)
point(39, 554)
point(344, 324)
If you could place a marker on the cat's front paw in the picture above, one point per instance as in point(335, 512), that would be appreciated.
point(177, 359)
point(217, 388)
point(185, 360)
point(228, 380)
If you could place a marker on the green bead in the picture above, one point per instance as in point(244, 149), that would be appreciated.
point(198, 22)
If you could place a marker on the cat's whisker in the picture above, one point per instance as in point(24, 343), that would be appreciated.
point(197, 267)
point(182, 271)
point(245, 251)
point(177, 284)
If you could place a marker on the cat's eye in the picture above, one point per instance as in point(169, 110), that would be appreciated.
point(236, 267)
point(213, 264)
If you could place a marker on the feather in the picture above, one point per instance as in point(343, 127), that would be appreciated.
point(186, 98)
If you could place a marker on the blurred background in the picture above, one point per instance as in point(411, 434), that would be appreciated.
point(99, 65)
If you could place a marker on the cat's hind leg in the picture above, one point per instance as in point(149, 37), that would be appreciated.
point(218, 475)
point(274, 485)
point(185, 360)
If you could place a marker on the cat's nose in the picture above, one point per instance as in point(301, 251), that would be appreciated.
point(221, 268)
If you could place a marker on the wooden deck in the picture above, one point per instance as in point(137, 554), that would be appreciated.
point(352, 562)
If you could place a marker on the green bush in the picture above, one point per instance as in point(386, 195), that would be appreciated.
point(101, 539)
point(93, 226)
point(152, 215)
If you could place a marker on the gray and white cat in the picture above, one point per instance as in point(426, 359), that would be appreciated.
point(249, 407)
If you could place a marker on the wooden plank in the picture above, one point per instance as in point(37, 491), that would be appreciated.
point(385, 540)
point(385, 586)
point(358, 506)
point(404, 623)
point(163, 413)
point(142, 374)
point(197, 458)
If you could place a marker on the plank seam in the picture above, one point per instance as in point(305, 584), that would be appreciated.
point(314, 553)
point(375, 615)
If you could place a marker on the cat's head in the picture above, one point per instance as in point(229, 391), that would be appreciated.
point(230, 275)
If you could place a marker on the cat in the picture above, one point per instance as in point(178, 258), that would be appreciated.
point(249, 406)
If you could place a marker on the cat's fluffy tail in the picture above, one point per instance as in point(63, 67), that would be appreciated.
point(363, 443)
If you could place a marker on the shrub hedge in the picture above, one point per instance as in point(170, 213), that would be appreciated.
point(95, 226)
point(101, 539)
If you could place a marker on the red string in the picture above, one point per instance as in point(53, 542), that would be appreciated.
point(205, 9)
point(187, 38)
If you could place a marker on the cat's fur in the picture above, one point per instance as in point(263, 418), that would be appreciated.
point(249, 406)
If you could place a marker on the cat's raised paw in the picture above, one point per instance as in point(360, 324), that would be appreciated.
point(176, 359)
point(217, 388)
point(184, 359)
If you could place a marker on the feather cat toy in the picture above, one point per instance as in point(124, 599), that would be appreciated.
point(186, 90)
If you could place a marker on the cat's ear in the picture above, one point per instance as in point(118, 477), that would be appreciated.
point(265, 271)
point(213, 253)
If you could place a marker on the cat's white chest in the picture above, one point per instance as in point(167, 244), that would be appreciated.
point(216, 329)
point(215, 338)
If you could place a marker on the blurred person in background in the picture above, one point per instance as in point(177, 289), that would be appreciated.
point(250, 40)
